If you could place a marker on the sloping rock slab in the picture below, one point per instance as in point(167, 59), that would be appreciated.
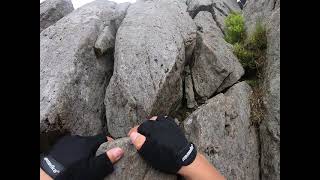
point(221, 131)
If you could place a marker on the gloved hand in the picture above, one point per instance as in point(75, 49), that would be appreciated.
point(73, 157)
point(162, 144)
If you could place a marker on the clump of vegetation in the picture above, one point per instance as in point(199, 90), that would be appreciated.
point(250, 50)
point(257, 41)
point(245, 56)
point(235, 28)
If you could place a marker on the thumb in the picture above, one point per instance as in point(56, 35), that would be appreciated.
point(137, 139)
point(115, 154)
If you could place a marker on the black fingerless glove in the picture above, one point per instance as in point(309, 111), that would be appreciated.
point(166, 147)
point(95, 168)
point(73, 157)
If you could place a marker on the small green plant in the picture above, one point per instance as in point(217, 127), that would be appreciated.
point(235, 28)
point(257, 41)
point(250, 49)
point(246, 57)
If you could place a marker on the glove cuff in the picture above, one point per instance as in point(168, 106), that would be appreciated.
point(49, 165)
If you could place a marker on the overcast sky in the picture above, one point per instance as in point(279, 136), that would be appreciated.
point(78, 3)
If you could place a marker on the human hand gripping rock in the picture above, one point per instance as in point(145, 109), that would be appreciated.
point(73, 157)
point(162, 144)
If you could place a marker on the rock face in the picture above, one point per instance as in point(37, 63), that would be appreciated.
point(53, 10)
point(206, 24)
point(105, 41)
point(153, 42)
point(120, 13)
point(268, 12)
point(131, 165)
point(219, 9)
point(72, 78)
point(222, 132)
point(259, 10)
point(215, 67)
point(270, 127)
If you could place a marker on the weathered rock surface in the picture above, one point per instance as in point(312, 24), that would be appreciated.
point(131, 165)
point(222, 132)
point(189, 93)
point(218, 8)
point(215, 66)
point(72, 78)
point(105, 41)
point(259, 10)
point(195, 6)
point(120, 13)
point(53, 10)
point(153, 43)
point(270, 127)
point(213, 38)
point(206, 24)
point(268, 12)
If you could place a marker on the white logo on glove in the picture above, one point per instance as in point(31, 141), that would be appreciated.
point(52, 167)
point(188, 153)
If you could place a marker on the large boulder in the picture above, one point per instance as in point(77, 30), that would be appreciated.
point(222, 131)
point(72, 79)
point(215, 66)
point(218, 8)
point(268, 13)
point(153, 42)
point(53, 10)
point(131, 165)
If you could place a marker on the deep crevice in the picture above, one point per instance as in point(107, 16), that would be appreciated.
point(274, 4)
point(218, 23)
point(194, 13)
point(220, 10)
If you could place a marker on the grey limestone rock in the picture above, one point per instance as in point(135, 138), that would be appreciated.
point(53, 10)
point(268, 13)
point(218, 8)
point(153, 43)
point(270, 127)
point(191, 102)
point(259, 10)
point(215, 67)
point(222, 131)
point(206, 24)
point(105, 41)
point(120, 13)
point(72, 78)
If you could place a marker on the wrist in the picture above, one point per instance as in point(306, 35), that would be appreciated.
point(44, 175)
point(186, 171)
point(200, 168)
